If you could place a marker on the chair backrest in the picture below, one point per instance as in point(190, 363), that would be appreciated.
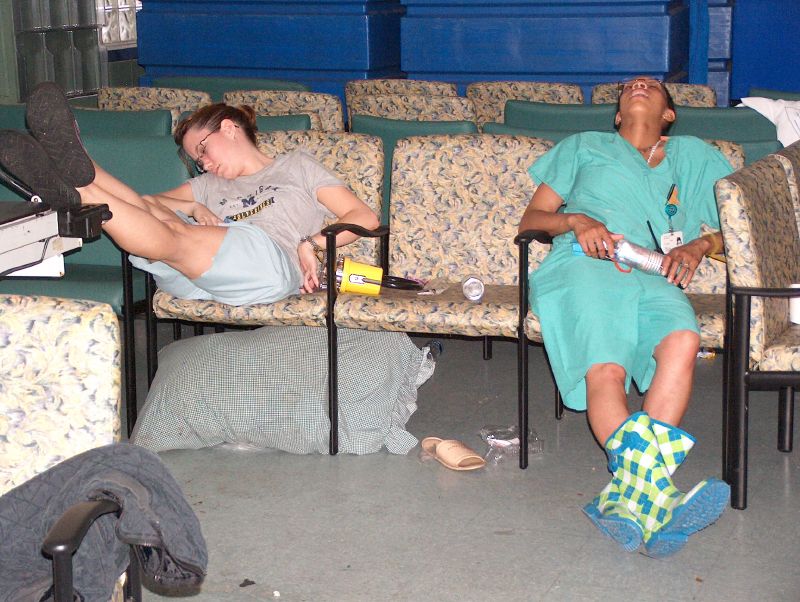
point(370, 87)
point(753, 131)
point(490, 97)
point(557, 121)
point(325, 110)
point(456, 204)
point(216, 86)
point(710, 276)
point(790, 159)
point(61, 382)
point(357, 159)
point(414, 107)
point(391, 130)
point(684, 95)
point(177, 100)
point(762, 242)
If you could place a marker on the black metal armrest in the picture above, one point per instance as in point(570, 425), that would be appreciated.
point(68, 532)
point(65, 537)
point(528, 236)
point(355, 229)
point(751, 291)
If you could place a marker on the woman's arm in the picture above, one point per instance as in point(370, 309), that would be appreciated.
point(681, 262)
point(349, 209)
point(182, 199)
point(542, 214)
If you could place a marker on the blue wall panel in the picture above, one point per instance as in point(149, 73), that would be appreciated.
point(766, 46)
point(580, 41)
point(322, 43)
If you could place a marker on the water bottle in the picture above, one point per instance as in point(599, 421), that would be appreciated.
point(638, 257)
point(632, 255)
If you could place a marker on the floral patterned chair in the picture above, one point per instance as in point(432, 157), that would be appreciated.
point(177, 100)
point(706, 292)
point(325, 110)
point(684, 95)
point(358, 160)
point(762, 242)
point(370, 87)
point(414, 107)
point(456, 201)
point(490, 97)
point(790, 159)
point(60, 393)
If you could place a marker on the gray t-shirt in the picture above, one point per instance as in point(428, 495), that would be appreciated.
point(281, 199)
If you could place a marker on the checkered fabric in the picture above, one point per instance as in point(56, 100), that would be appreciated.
point(640, 474)
point(673, 443)
point(267, 388)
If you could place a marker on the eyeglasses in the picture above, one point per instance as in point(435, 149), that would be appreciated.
point(201, 151)
point(638, 82)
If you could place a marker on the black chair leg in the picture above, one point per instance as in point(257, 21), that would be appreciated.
point(129, 335)
point(522, 401)
point(151, 331)
point(736, 415)
point(785, 418)
point(487, 348)
point(132, 591)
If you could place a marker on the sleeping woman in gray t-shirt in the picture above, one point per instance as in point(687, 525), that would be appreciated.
point(255, 220)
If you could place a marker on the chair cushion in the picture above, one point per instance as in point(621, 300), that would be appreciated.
point(449, 312)
point(296, 310)
point(784, 352)
point(12, 117)
point(94, 122)
point(392, 130)
point(217, 86)
point(555, 122)
point(274, 123)
point(754, 132)
point(774, 94)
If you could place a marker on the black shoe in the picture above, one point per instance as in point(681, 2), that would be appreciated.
point(25, 159)
point(52, 123)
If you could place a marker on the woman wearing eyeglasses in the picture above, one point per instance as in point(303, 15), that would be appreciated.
point(251, 226)
point(604, 325)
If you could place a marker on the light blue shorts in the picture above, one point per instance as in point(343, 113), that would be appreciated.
point(249, 267)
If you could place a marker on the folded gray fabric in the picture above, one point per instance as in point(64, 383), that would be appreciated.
point(155, 518)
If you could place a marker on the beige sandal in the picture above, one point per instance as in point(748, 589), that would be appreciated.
point(452, 453)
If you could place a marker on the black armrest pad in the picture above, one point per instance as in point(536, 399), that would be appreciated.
point(765, 292)
point(530, 235)
point(340, 227)
point(68, 532)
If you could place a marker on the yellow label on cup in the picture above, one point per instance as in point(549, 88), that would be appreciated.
point(360, 278)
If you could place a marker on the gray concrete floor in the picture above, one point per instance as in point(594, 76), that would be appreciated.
point(383, 527)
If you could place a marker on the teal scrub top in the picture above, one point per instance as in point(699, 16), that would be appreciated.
point(591, 312)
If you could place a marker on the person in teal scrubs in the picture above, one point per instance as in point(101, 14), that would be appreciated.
point(604, 324)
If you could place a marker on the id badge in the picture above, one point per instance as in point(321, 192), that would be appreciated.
point(670, 240)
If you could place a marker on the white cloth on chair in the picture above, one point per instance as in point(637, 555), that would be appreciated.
point(785, 114)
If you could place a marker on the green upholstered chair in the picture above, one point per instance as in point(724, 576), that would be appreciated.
point(774, 94)
point(762, 244)
point(456, 203)
point(95, 272)
point(325, 110)
point(217, 86)
point(95, 122)
point(554, 121)
point(754, 132)
point(684, 95)
point(490, 97)
point(392, 130)
point(358, 160)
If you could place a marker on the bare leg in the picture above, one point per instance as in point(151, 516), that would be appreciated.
point(668, 396)
point(606, 401)
point(187, 248)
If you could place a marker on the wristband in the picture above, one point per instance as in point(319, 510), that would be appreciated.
point(319, 252)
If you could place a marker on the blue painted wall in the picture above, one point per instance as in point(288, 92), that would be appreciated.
point(319, 42)
point(766, 46)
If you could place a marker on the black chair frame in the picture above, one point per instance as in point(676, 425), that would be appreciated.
point(64, 539)
point(739, 380)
